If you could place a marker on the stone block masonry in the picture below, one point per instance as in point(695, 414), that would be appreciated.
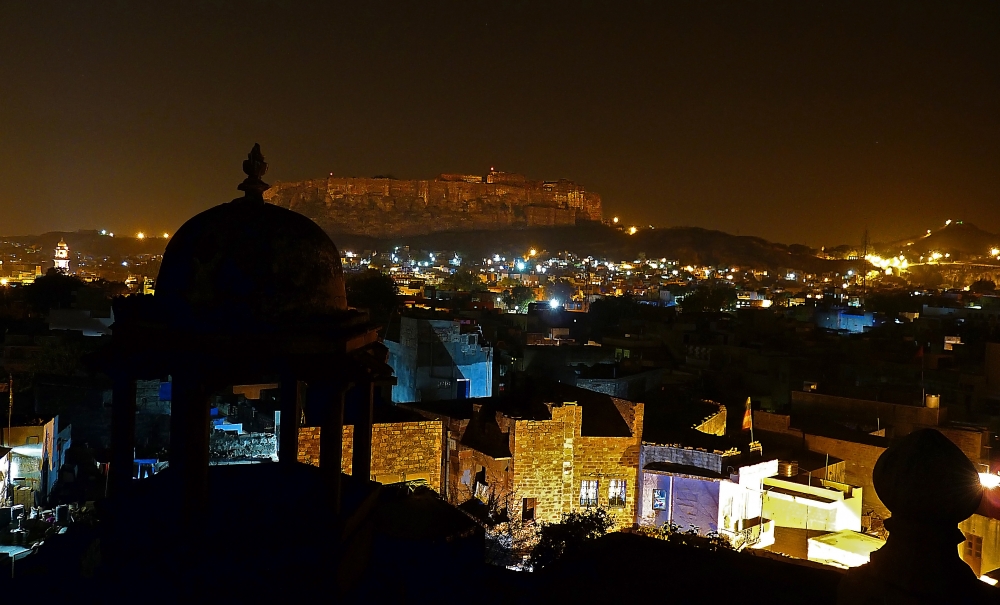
point(400, 451)
point(383, 207)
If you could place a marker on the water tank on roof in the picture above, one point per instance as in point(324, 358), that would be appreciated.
point(932, 401)
point(788, 468)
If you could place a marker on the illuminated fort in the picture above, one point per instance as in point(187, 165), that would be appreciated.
point(382, 207)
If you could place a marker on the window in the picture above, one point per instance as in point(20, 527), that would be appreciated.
point(481, 488)
point(588, 493)
point(528, 509)
point(973, 546)
point(616, 493)
point(659, 499)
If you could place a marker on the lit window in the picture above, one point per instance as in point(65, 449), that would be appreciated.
point(588, 493)
point(659, 499)
point(616, 493)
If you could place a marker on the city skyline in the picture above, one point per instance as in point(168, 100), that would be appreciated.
point(799, 125)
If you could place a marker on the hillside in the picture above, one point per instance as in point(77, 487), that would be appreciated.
point(689, 245)
point(958, 237)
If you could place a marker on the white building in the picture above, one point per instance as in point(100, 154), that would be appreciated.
point(61, 259)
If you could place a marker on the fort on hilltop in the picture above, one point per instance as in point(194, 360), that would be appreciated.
point(386, 207)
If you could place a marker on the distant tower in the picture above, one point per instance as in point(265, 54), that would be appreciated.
point(61, 259)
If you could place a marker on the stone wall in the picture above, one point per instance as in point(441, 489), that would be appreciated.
point(552, 459)
point(902, 419)
point(381, 207)
point(859, 459)
point(400, 450)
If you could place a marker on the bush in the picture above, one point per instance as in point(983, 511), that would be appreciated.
point(575, 529)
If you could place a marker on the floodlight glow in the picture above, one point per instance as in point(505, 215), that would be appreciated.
point(140, 235)
point(989, 480)
point(554, 304)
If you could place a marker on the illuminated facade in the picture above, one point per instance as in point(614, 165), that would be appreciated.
point(542, 451)
point(61, 259)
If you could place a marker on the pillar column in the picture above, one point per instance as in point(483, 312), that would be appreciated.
point(122, 434)
point(189, 434)
point(292, 391)
point(361, 460)
point(331, 443)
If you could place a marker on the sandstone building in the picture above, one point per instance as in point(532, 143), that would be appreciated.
point(384, 207)
point(543, 450)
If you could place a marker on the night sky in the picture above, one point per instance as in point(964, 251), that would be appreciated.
point(794, 121)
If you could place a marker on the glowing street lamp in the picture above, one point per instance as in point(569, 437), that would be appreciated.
point(140, 235)
point(633, 230)
point(989, 480)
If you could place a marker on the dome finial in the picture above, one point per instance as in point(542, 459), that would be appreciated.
point(254, 167)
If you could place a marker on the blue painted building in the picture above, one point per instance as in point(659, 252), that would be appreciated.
point(439, 359)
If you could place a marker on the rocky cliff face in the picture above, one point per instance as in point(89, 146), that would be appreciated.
point(385, 207)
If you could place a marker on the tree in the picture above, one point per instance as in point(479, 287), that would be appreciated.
point(983, 286)
point(463, 280)
point(372, 290)
point(609, 313)
point(575, 529)
point(711, 299)
point(561, 290)
point(518, 298)
point(52, 290)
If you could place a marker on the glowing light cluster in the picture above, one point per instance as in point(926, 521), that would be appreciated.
point(897, 262)
point(989, 480)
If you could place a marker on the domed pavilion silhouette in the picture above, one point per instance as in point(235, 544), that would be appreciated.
point(247, 293)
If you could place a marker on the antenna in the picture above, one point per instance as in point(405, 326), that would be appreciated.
point(864, 265)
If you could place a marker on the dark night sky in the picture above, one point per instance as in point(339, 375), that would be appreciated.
point(795, 121)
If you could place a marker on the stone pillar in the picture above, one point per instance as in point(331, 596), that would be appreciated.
point(189, 435)
point(331, 453)
point(361, 462)
point(292, 391)
point(122, 434)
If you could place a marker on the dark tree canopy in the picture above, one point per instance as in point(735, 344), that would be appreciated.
point(374, 291)
point(709, 299)
point(983, 286)
point(464, 280)
point(518, 298)
point(53, 290)
point(560, 289)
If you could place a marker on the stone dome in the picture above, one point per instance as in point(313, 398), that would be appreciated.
point(247, 261)
point(925, 477)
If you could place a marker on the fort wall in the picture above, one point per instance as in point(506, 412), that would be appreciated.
point(384, 207)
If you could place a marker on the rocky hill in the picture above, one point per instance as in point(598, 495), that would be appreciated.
point(956, 237)
point(386, 207)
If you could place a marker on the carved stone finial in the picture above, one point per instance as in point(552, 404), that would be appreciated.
point(254, 167)
point(930, 486)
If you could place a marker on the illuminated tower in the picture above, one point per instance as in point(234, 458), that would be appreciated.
point(61, 260)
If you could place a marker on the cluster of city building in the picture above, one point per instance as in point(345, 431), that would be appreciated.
point(479, 418)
